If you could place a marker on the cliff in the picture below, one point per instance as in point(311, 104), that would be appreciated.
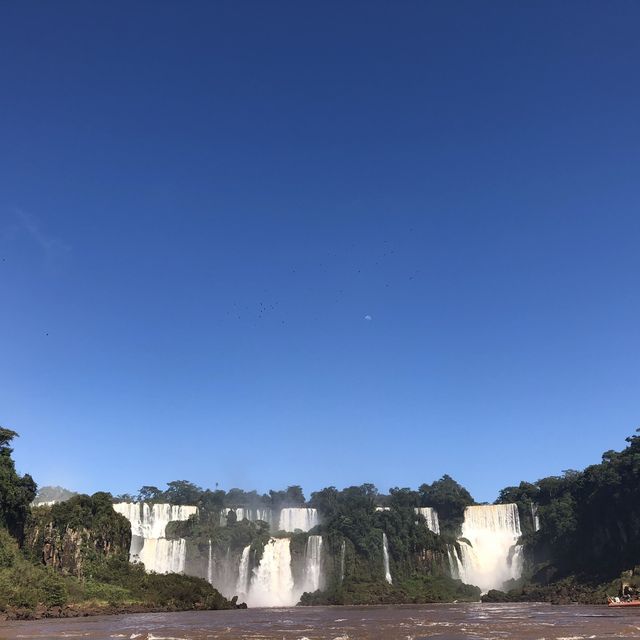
point(78, 533)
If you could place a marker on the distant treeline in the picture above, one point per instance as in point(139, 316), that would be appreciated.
point(589, 529)
point(589, 521)
point(445, 495)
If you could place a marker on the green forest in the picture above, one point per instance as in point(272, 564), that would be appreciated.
point(71, 558)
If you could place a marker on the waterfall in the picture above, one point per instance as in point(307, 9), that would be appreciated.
point(313, 564)
point(535, 517)
point(148, 544)
point(242, 586)
point(164, 556)
point(223, 569)
point(343, 549)
point(210, 564)
point(248, 513)
point(516, 560)
point(150, 521)
point(455, 564)
point(385, 558)
point(431, 518)
point(290, 518)
point(491, 556)
point(295, 518)
point(272, 581)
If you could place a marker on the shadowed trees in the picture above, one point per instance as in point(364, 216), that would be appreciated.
point(16, 492)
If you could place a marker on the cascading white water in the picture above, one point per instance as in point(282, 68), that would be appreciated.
point(248, 513)
point(312, 580)
point(270, 584)
point(289, 519)
point(491, 557)
point(148, 544)
point(431, 517)
point(164, 556)
point(301, 518)
point(343, 549)
point(516, 558)
point(150, 521)
point(242, 586)
point(535, 517)
point(455, 564)
point(272, 581)
point(385, 558)
point(222, 569)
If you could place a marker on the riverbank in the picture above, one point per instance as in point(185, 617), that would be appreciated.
point(567, 591)
point(94, 608)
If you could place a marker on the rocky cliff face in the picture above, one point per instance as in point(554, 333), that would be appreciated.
point(72, 535)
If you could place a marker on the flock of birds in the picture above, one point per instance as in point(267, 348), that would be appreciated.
point(262, 310)
point(255, 313)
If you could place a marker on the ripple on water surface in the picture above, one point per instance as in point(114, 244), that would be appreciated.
point(410, 622)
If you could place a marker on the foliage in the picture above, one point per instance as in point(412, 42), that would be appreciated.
point(26, 585)
point(292, 497)
point(211, 504)
point(449, 499)
point(77, 551)
point(590, 531)
point(83, 511)
point(525, 496)
point(149, 494)
point(590, 520)
point(564, 591)
point(116, 580)
point(417, 589)
point(72, 536)
point(351, 522)
point(235, 536)
point(16, 492)
point(182, 492)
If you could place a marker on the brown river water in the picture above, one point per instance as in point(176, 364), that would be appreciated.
point(410, 622)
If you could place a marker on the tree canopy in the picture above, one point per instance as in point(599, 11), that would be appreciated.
point(449, 499)
point(16, 492)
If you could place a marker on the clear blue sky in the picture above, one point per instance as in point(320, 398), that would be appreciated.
point(321, 243)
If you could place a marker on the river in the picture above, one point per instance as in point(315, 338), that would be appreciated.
point(410, 622)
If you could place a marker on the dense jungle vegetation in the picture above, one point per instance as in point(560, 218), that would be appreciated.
point(72, 558)
point(352, 529)
point(76, 551)
point(589, 521)
point(589, 528)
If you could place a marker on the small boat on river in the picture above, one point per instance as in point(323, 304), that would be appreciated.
point(616, 602)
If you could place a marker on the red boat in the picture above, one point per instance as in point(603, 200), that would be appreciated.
point(623, 603)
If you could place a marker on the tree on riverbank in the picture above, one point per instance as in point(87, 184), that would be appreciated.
point(76, 553)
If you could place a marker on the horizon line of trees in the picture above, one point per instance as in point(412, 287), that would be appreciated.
point(445, 495)
point(590, 519)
